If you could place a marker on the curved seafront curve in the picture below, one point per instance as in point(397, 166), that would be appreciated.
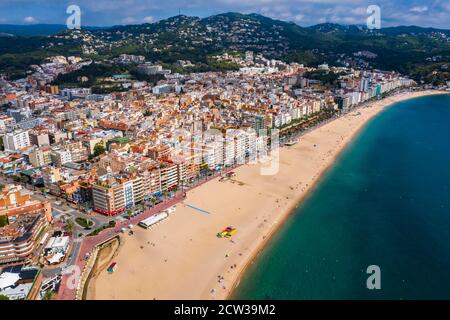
point(182, 258)
point(385, 202)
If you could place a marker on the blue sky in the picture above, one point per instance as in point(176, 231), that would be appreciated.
point(431, 13)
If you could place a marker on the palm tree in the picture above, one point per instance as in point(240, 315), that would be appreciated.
point(69, 226)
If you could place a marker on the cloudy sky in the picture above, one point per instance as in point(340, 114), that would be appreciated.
point(431, 13)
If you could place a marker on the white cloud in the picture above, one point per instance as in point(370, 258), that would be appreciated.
point(361, 11)
point(419, 9)
point(128, 20)
point(299, 17)
point(29, 19)
point(148, 19)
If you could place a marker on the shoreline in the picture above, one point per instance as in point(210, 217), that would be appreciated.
point(308, 192)
point(350, 126)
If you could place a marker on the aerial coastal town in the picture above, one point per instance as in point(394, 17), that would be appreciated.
point(79, 168)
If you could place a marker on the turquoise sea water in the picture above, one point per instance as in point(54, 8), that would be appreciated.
point(385, 202)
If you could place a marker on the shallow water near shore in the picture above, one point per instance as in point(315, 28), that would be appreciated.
point(385, 202)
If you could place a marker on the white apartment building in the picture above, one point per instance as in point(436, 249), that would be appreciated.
point(251, 145)
point(60, 157)
point(228, 151)
point(212, 152)
point(239, 138)
point(15, 141)
point(209, 156)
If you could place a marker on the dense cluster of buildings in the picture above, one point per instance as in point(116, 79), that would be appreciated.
point(49, 70)
point(109, 152)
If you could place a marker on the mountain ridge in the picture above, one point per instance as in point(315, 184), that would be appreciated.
point(403, 49)
point(41, 29)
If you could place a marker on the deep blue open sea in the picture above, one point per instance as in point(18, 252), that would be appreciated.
point(385, 202)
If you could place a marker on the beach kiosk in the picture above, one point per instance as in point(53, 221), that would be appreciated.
point(152, 220)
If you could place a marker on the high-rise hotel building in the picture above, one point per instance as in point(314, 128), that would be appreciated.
point(115, 194)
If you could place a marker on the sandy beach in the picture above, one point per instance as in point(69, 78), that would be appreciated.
point(181, 257)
